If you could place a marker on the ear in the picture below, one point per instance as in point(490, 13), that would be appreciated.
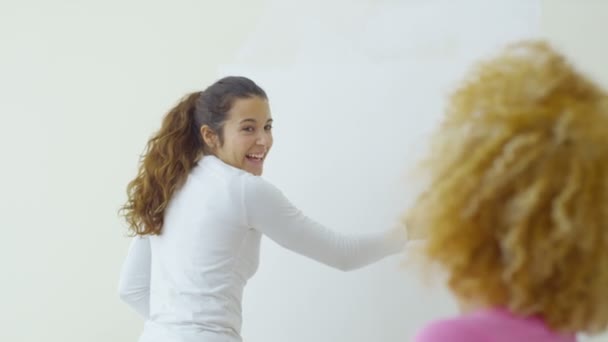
point(209, 137)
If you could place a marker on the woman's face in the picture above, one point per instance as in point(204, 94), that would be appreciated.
point(247, 135)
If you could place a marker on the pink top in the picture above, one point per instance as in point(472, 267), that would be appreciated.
point(493, 325)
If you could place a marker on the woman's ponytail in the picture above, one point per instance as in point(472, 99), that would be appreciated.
point(165, 164)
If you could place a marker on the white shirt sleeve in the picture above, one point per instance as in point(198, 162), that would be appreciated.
point(134, 283)
point(268, 211)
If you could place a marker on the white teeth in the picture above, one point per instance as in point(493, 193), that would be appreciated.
point(256, 156)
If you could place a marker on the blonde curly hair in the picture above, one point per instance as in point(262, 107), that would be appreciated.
point(516, 210)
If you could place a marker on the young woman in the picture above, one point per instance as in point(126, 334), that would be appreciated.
point(199, 208)
point(516, 210)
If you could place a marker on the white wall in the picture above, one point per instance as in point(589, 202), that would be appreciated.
point(354, 87)
point(353, 99)
point(82, 86)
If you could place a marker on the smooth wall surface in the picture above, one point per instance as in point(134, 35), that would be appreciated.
point(355, 87)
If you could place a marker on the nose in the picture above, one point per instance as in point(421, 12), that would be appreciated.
point(264, 139)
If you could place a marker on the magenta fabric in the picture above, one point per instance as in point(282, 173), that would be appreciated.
point(492, 325)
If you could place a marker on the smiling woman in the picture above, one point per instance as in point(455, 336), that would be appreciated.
point(247, 135)
point(198, 209)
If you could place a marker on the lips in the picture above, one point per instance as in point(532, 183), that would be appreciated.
point(256, 156)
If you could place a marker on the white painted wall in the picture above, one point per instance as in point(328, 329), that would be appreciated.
point(354, 85)
point(354, 96)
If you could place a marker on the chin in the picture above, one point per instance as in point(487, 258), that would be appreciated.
point(253, 168)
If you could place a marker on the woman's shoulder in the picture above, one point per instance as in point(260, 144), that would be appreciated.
point(449, 330)
point(243, 182)
point(258, 187)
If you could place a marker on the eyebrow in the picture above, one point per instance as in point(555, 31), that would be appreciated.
point(253, 120)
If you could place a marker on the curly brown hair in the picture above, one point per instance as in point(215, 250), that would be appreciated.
point(516, 209)
point(174, 150)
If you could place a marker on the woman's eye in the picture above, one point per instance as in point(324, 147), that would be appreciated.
point(268, 127)
point(248, 129)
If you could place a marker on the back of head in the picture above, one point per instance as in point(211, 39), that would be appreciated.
point(517, 206)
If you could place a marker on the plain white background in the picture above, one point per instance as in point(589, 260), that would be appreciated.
point(355, 87)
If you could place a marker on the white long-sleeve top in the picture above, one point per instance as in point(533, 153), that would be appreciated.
point(188, 282)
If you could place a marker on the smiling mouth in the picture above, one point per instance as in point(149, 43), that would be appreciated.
point(258, 157)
